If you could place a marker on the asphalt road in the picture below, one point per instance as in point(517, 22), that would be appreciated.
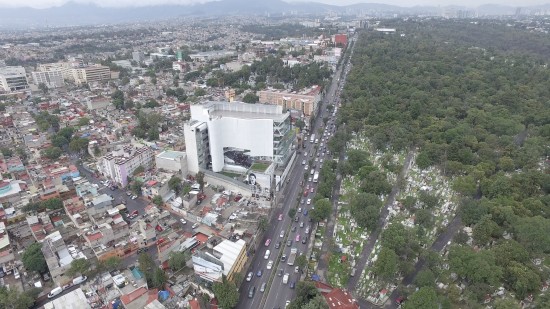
point(278, 292)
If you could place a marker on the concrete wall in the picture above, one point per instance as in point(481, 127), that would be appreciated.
point(227, 182)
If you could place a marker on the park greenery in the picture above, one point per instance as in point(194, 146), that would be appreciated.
point(477, 111)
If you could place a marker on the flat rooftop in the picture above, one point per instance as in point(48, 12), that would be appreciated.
point(244, 110)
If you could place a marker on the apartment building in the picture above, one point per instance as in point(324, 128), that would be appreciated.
point(52, 79)
point(13, 79)
point(120, 164)
point(305, 101)
point(89, 74)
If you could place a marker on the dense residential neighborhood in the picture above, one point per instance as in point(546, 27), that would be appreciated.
point(342, 161)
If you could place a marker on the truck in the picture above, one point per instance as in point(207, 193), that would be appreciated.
point(292, 256)
point(316, 177)
point(312, 138)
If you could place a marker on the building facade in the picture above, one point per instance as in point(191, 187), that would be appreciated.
point(13, 79)
point(305, 101)
point(260, 131)
point(226, 258)
point(52, 79)
point(89, 74)
point(120, 164)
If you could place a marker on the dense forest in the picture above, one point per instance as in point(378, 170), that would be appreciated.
point(477, 107)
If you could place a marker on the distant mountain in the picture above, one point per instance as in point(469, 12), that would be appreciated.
point(73, 14)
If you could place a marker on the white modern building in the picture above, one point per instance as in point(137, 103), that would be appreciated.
point(258, 131)
point(52, 79)
point(13, 79)
point(120, 164)
point(173, 161)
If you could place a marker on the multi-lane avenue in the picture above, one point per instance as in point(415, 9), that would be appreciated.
point(285, 229)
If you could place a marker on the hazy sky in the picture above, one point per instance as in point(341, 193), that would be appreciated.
point(118, 3)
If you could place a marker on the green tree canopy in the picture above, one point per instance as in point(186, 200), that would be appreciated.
point(33, 259)
point(226, 293)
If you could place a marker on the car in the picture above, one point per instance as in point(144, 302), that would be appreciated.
point(144, 249)
point(267, 242)
point(128, 193)
point(294, 228)
point(306, 167)
point(299, 209)
point(282, 234)
point(312, 189)
point(287, 303)
point(196, 225)
point(289, 243)
point(292, 285)
point(280, 273)
point(321, 161)
point(283, 258)
point(134, 197)
point(262, 288)
point(280, 217)
point(302, 201)
point(270, 264)
point(278, 245)
point(308, 201)
point(297, 238)
point(307, 229)
point(259, 273)
point(303, 162)
point(305, 212)
point(249, 276)
point(302, 224)
point(266, 255)
point(56, 291)
point(183, 221)
point(316, 159)
point(296, 219)
point(296, 269)
point(16, 274)
point(400, 300)
point(304, 240)
point(309, 179)
point(251, 291)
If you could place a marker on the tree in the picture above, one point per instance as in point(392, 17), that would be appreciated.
point(175, 184)
point(508, 251)
point(52, 203)
point(140, 169)
point(424, 298)
point(301, 261)
point(157, 200)
point(110, 264)
point(118, 99)
point(178, 260)
point(52, 152)
point(84, 121)
point(292, 212)
point(322, 211)
point(522, 279)
point(158, 279)
point(299, 123)
point(386, 265)
point(425, 278)
point(6, 152)
point(263, 224)
point(305, 293)
point(136, 187)
point(226, 293)
point(534, 234)
point(43, 88)
point(79, 266)
point(318, 302)
point(33, 259)
point(79, 145)
point(199, 92)
point(13, 299)
point(250, 98)
point(200, 180)
point(506, 303)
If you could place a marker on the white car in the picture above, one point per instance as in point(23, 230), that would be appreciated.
point(282, 234)
point(183, 221)
point(308, 201)
point(287, 303)
point(196, 225)
point(249, 276)
point(270, 264)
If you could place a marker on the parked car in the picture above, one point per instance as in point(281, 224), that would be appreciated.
point(267, 242)
point(249, 276)
point(56, 291)
point(280, 217)
point(183, 221)
point(196, 225)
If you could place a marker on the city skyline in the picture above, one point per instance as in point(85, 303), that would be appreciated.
point(42, 4)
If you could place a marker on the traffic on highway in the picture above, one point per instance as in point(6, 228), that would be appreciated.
point(272, 276)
